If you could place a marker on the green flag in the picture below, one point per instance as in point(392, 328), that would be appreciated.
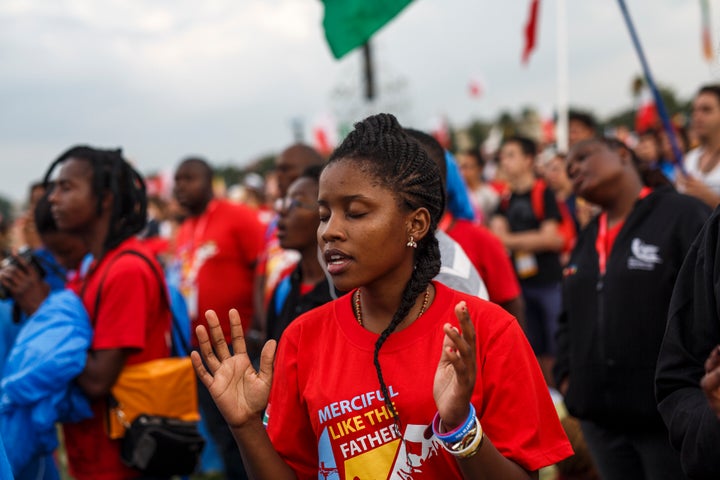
point(350, 23)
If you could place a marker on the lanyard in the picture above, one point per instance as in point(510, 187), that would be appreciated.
point(601, 242)
point(200, 227)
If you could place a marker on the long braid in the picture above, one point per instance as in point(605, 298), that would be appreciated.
point(427, 266)
point(112, 173)
point(397, 162)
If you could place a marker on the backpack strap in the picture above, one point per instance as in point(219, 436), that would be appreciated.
point(537, 198)
point(281, 293)
point(163, 293)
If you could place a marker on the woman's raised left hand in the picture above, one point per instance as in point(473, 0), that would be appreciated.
point(456, 371)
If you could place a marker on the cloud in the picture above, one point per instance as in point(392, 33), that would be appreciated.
point(225, 78)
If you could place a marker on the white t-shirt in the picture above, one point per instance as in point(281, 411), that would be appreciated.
point(457, 271)
point(692, 167)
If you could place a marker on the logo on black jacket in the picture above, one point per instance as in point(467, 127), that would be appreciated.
point(643, 256)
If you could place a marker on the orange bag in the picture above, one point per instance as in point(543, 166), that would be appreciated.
point(165, 387)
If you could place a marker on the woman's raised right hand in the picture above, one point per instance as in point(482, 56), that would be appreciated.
point(239, 391)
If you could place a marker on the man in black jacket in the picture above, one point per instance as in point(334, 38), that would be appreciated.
point(688, 371)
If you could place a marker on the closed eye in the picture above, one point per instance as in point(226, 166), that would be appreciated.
point(324, 214)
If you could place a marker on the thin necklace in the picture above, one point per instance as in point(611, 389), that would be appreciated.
point(358, 306)
point(711, 161)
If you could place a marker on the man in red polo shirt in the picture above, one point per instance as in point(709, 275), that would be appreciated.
point(217, 248)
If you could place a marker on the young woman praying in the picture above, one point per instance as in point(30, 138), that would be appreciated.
point(400, 378)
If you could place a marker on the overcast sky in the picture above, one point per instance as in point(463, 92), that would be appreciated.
point(226, 78)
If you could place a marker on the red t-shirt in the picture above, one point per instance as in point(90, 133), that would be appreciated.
point(217, 252)
point(132, 314)
point(488, 255)
point(325, 414)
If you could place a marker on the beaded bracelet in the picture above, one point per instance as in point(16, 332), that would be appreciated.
point(458, 433)
point(468, 446)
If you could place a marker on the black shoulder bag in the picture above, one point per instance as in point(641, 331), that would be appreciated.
point(155, 444)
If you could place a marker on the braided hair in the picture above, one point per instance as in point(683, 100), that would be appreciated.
point(381, 149)
point(112, 173)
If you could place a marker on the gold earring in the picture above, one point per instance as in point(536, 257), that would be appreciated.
point(411, 242)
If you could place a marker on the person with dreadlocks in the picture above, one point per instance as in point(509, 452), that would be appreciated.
point(97, 195)
point(455, 391)
point(616, 293)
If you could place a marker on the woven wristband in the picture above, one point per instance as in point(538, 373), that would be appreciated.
point(458, 433)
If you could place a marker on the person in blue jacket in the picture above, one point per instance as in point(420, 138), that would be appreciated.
point(5, 470)
point(53, 334)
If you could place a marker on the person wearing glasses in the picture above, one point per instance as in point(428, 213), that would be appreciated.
point(275, 262)
point(307, 286)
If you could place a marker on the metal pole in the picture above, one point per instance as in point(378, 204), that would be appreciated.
point(561, 130)
point(368, 72)
point(662, 111)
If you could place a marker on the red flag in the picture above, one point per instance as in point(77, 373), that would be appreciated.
point(547, 127)
point(530, 30)
point(707, 45)
point(321, 142)
point(647, 115)
point(706, 37)
point(476, 87)
point(441, 131)
point(324, 132)
point(154, 185)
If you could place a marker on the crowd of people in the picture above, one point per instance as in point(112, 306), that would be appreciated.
point(393, 311)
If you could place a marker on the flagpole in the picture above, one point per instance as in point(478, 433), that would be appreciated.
point(561, 130)
point(662, 111)
point(368, 72)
